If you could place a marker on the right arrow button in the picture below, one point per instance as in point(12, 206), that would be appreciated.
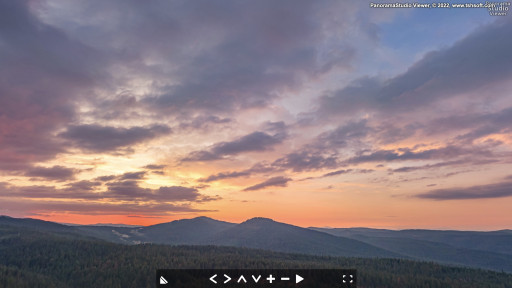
point(227, 278)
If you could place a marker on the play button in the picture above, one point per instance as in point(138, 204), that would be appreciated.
point(298, 278)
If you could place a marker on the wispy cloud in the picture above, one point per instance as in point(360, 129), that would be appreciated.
point(495, 190)
point(278, 181)
point(254, 142)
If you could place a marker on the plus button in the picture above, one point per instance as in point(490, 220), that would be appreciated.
point(270, 279)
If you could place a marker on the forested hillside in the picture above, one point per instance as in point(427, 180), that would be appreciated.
point(41, 259)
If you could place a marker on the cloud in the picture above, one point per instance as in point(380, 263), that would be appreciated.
point(225, 175)
point(59, 173)
point(337, 172)
point(96, 138)
point(488, 124)
point(43, 73)
point(49, 192)
point(469, 127)
point(279, 181)
point(482, 58)
point(389, 132)
point(352, 132)
point(252, 54)
point(306, 161)
point(155, 167)
point(254, 142)
point(313, 156)
point(177, 193)
point(127, 190)
point(405, 154)
point(133, 175)
point(85, 186)
point(226, 56)
point(130, 190)
point(496, 190)
point(299, 161)
point(430, 166)
point(341, 172)
point(136, 175)
point(106, 178)
point(322, 152)
point(202, 122)
point(255, 169)
point(122, 190)
point(99, 208)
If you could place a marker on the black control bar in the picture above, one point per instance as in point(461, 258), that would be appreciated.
point(245, 278)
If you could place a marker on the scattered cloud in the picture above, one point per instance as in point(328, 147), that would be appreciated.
point(495, 190)
point(177, 193)
point(255, 169)
point(122, 190)
point(430, 166)
point(84, 186)
point(226, 175)
point(202, 122)
point(344, 135)
point(337, 172)
point(405, 154)
point(106, 178)
point(306, 161)
point(96, 138)
point(278, 181)
point(154, 167)
point(58, 173)
point(102, 208)
point(133, 175)
point(254, 142)
point(49, 192)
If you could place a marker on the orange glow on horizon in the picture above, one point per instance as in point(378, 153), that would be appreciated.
point(80, 219)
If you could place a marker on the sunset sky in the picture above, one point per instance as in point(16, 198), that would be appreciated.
point(313, 113)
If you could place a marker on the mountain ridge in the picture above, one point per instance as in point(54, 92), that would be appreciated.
point(488, 250)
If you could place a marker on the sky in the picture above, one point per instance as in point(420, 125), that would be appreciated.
point(314, 113)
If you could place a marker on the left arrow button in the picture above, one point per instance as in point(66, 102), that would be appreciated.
point(213, 278)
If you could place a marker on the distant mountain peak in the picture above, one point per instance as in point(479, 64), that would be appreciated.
point(195, 219)
point(203, 218)
point(256, 220)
